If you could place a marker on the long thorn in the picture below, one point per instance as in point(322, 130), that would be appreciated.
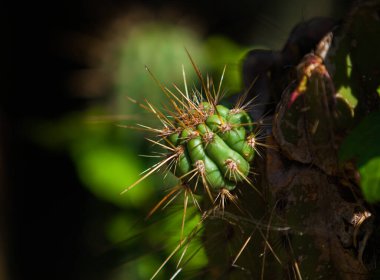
point(148, 174)
point(158, 205)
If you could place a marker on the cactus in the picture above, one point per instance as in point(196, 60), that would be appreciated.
point(215, 143)
point(205, 143)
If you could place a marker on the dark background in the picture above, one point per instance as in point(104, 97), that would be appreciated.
point(43, 205)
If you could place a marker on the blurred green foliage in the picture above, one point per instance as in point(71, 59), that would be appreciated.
point(223, 52)
point(160, 47)
point(106, 170)
point(362, 146)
